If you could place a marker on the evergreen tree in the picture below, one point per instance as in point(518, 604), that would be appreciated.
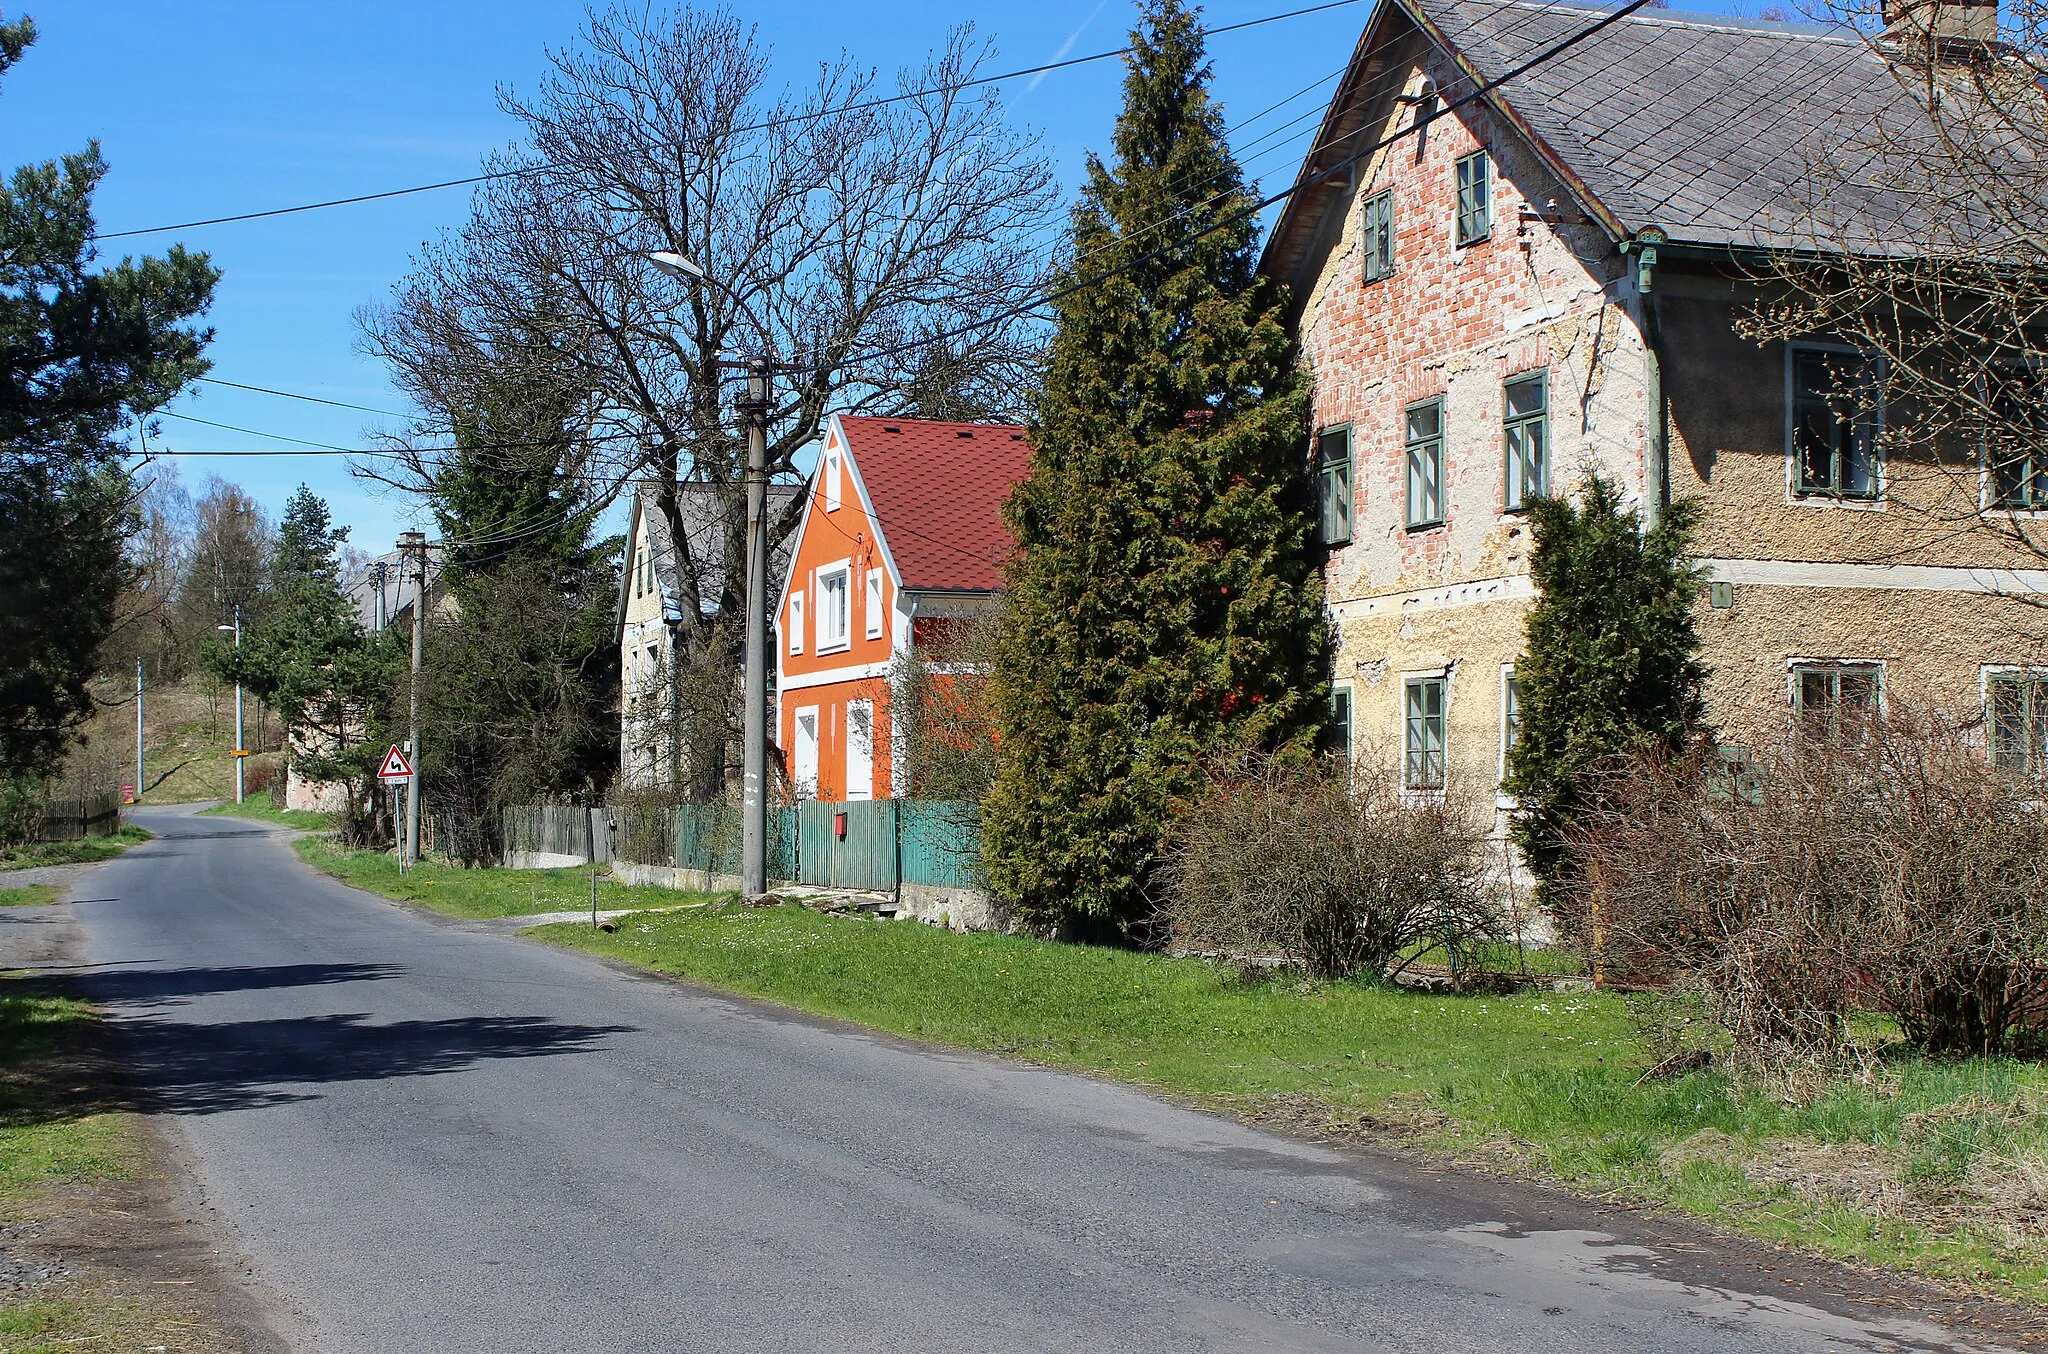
point(1164, 595)
point(310, 659)
point(83, 354)
point(1611, 663)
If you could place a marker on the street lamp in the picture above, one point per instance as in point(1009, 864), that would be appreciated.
point(241, 754)
point(753, 782)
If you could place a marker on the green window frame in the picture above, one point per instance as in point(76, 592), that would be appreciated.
point(1510, 712)
point(2014, 442)
point(1475, 198)
point(1836, 415)
point(1833, 701)
point(1337, 735)
point(1525, 438)
point(1376, 236)
point(1333, 484)
point(1422, 733)
point(2018, 719)
point(1425, 465)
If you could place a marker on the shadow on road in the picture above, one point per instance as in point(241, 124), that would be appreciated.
point(207, 1069)
point(146, 988)
point(60, 1062)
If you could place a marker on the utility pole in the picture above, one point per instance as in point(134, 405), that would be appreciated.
point(138, 731)
point(754, 783)
point(414, 543)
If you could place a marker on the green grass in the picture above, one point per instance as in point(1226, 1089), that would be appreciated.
point(30, 895)
point(260, 808)
point(85, 851)
point(52, 1126)
point(190, 762)
point(1544, 1084)
point(480, 894)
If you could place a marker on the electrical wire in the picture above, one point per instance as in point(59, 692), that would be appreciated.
point(768, 125)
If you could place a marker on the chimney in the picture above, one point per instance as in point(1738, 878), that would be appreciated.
point(1951, 27)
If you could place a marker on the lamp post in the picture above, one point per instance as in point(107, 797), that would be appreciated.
point(753, 783)
point(241, 754)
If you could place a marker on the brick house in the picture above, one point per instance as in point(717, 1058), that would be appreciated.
point(1547, 281)
point(901, 534)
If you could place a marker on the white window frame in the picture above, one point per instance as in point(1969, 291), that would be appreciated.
point(796, 621)
point(830, 474)
point(861, 786)
point(874, 616)
point(803, 767)
point(835, 632)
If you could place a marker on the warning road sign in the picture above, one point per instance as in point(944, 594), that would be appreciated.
point(395, 767)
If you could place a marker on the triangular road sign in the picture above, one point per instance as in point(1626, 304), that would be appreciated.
point(395, 766)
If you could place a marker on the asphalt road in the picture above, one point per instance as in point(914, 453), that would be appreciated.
point(426, 1138)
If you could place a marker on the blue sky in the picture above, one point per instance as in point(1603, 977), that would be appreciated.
point(209, 108)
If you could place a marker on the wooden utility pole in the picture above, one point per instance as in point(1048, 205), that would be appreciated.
point(414, 545)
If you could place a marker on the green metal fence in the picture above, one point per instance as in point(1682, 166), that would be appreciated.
point(868, 844)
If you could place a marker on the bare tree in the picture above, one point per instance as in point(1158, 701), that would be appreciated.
point(854, 233)
point(1926, 247)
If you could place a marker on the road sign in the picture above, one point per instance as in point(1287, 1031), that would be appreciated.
point(238, 752)
point(395, 766)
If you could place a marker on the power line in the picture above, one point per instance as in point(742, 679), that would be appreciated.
point(294, 395)
point(1313, 179)
point(737, 131)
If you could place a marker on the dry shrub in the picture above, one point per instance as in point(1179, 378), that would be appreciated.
point(1892, 868)
point(1334, 874)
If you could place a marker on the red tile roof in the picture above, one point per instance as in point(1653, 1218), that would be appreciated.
point(938, 491)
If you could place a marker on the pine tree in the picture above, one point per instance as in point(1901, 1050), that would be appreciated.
point(87, 352)
point(1165, 598)
point(1611, 663)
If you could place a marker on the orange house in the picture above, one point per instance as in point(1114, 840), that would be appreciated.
point(902, 526)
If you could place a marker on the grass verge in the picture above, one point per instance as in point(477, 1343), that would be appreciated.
point(261, 809)
point(1933, 1167)
point(86, 851)
point(30, 895)
point(482, 894)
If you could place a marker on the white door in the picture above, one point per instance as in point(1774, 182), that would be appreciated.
point(805, 771)
point(860, 749)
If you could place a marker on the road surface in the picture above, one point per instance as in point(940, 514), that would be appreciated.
point(425, 1138)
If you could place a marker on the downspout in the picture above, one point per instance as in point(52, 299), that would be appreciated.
point(1656, 412)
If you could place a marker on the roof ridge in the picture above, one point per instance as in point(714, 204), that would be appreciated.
point(1678, 18)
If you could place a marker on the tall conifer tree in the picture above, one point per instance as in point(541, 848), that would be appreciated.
point(1165, 598)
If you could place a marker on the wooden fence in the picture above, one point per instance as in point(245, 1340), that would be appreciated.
point(70, 820)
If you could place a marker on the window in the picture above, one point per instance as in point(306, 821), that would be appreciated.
point(1525, 405)
point(830, 474)
point(2019, 721)
point(873, 602)
point(1475, 198)
point(1837, 415)
point(834, 623)
point(796, 622)
point(1337, 734)
point(860, 749)
point(1333, 485)
point(1422, 738)
point(1376, 236)
point(1510, 713)
point(1426, 464)
point(804, 766)
point(2015, 442)
point(1835, 700)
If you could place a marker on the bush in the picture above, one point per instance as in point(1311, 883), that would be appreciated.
point(1329, 872)
point(21, 810)
point(1892, 869)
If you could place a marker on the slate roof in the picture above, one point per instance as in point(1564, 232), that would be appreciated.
point(937, 490)
point(390, 575)
point(1706, 127)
